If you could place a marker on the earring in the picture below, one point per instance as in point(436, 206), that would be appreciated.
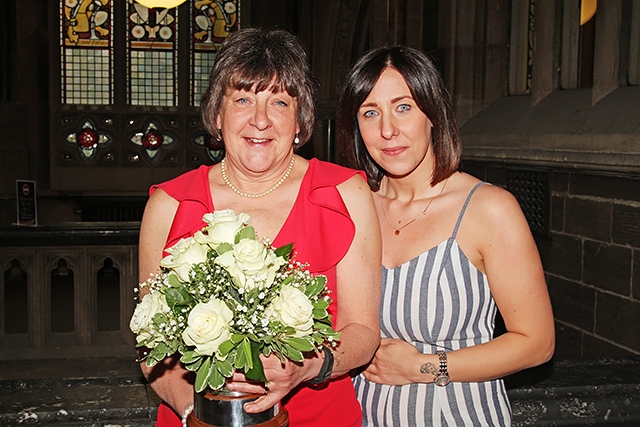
point(296, 140)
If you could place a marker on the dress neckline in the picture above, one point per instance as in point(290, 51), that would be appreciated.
point(454, 234)
point(419, 255)
point(454, 243)
point(305, 178)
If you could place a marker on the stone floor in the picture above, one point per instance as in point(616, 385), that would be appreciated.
point(91, 392)
point(111, 392)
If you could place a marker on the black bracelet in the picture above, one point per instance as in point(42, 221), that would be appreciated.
point(326, 369)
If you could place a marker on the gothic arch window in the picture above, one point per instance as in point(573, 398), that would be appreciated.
point(108, 280)
point(15, 299)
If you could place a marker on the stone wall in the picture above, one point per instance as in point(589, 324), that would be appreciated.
point(593, 263)
point(590, 253)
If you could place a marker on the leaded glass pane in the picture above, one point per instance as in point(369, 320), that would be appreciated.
point(212, 22)
point(152, 55)
point(86, 39)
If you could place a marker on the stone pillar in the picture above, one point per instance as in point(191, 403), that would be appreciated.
point(39, 283)
point(544, 51)
point(606, 62)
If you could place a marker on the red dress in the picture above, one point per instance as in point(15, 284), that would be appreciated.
point(321, 230)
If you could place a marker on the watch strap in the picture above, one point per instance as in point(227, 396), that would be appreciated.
point(442, 362)
point(442, 377)
point(326, 369)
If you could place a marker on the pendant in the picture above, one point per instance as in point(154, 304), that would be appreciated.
point(397, 232)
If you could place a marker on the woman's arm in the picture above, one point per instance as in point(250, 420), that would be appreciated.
point(496, 228)
point(168, 378)
point(358, 302)
point(516, 279)
point(359, 282)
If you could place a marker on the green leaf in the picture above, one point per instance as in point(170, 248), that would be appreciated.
point(190, 357)
point(321, 305)
point(203, 375)
point(177, 296)
point(174, 281)
point(195, 365)
point(216, 380)
point(236, 338)
point(257, 372)
point(161, 348)
point(224, 247)
point(280, 351)
point(226, 347)
point(247, 232)
point(319, 313)
point(244, 357)
point(301, 344)
point(284, 251)
point(293, 354)
point(253, 338)
point(225, 368)
point(317, 287)
point(319, 339)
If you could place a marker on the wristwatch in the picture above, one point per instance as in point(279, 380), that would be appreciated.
point(442, 377)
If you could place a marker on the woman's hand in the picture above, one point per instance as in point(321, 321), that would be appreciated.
point(282, 378)
point(396, 363)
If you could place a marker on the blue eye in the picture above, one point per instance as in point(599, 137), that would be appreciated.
point(404, 107)
point(369, 113)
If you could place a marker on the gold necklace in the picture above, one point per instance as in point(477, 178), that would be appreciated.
point(397, 230)
point(255, 195)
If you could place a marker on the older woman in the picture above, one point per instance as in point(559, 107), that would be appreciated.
point(260, 103)
point(455, 250)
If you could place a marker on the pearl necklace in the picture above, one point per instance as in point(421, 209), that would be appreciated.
point(397, 230)
point(255, 195)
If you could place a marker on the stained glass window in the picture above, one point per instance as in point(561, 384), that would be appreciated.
point(86, 38)
point(152, 55)
point(150, 48)
point(212, 22)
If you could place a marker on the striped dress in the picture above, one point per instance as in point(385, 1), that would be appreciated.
point(437, 300)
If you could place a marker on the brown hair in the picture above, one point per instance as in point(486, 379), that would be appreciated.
point(269, 60)
point(429, 93)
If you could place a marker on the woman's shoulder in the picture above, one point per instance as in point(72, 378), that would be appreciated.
point(489, 203)
point(331, 167)
point(331, 173)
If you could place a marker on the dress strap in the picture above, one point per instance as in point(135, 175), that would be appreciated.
point(464, 208)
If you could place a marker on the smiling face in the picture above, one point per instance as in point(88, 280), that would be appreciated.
point(396, 132)
point(258, 129)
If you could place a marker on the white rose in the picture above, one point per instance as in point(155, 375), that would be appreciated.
point(183, 255)
point(208, 326)
point(250, 264)
point(292, 308)
point(142, 320)
point(223, 226)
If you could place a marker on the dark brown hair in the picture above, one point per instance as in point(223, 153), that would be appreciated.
point(269, 60)
point(429, 93)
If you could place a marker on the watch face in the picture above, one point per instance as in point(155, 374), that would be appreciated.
point(442, 380)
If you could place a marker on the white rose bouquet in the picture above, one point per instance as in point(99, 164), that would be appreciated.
point(222, 298)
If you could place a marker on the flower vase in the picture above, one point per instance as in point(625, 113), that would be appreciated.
point(224, 408)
